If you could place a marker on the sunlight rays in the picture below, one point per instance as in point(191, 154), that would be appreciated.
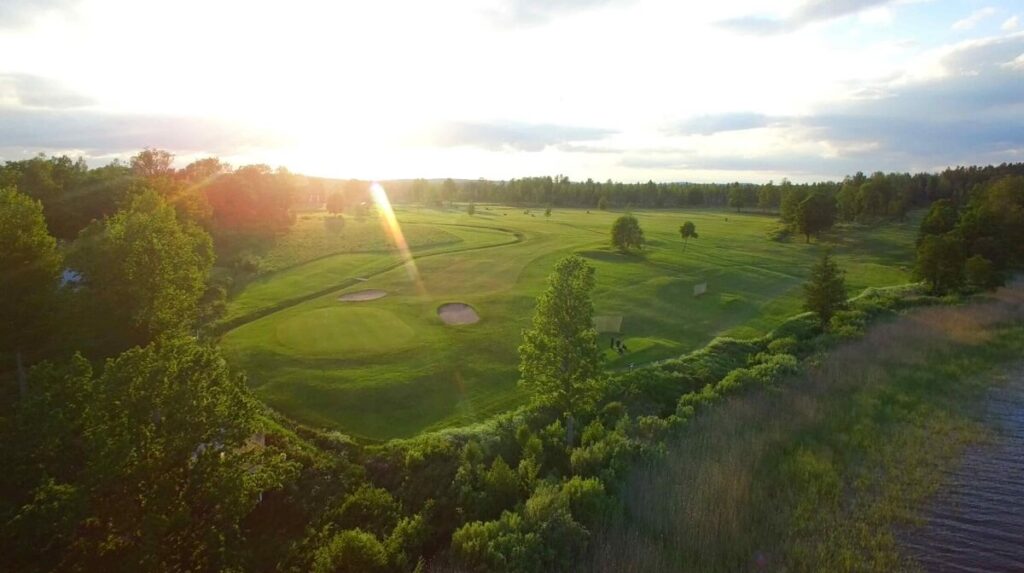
point(394, 230)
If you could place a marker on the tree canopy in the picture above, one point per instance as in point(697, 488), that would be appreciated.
point(30, 268)
point(559, 357)
point(627, 234)
point(144, 271)
point(815, 214)
point(687, 231)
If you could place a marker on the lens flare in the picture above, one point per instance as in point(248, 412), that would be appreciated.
point(394, 230)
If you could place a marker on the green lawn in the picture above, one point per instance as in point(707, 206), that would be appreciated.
point(390, 368)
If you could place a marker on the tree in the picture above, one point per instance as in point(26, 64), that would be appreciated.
point(940, 262)
point(169, 441)
point(737, 198)
point(335, 203)
point(143, 270)
point(351, 551)
point(941, 219)
point(602, 204)
point(547, 211)
point(791, 197)
point(151, 466)
point(559, 357)
point(627, 234)
point(981, 273)
point(686, 231)
point(825, 291)
point(471, 209)
point(815, 214)
point(151, 163)
point(31, 267)
point(768, 197)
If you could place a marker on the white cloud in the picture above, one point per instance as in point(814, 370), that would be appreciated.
point(1010, 24)
point(973, 19)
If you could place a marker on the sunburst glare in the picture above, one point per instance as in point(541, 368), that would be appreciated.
point(394, 231)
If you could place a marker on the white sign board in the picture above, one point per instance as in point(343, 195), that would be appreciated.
point(700, 289)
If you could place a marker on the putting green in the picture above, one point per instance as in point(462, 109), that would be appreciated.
point(343, 332)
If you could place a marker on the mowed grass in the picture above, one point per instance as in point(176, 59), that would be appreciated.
point(378, 381)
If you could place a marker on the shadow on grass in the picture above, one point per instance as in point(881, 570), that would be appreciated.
point(609, 256)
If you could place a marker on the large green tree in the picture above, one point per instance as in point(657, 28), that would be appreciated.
point(940, 262)
point(560, 362)
point(144, 271)
point(31, 266)
point(815, 214)
point(150, 466)
point(825, 291)
point(627, 234)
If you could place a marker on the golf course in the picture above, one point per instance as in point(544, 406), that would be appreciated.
point(343, 332)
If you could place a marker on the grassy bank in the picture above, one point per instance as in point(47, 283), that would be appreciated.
point(815, 473)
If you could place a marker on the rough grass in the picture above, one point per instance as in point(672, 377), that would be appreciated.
point(814, 476)
point(454, 376)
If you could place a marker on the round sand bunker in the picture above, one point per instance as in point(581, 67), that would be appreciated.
point(362, 295)
point(457, 313)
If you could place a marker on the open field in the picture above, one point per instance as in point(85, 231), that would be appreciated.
point(390, 367)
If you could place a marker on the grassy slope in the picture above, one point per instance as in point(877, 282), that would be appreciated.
point(447, 376)
point(865, 438)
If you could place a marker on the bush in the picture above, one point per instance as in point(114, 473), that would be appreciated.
point(370, 508)
point(501, 545)
point(587, 500)
point(406, 542)
point(353, 551)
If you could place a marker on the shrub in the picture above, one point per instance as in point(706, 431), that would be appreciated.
point(370, 508)
point(406, 542)
point(352, 551)
point(587, 500)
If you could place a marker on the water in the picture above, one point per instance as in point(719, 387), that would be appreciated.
point(976, 522)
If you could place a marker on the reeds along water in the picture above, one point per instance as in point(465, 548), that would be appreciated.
point(695, 509)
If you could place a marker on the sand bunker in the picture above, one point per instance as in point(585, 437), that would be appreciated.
point(362, 295)
point(457, 313)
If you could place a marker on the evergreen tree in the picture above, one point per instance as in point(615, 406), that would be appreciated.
point(825, 292)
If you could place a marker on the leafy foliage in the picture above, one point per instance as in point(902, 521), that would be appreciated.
point(687, 231)
point(627, 234)
point(559, 357)
point(144, 271)
point(31, 268)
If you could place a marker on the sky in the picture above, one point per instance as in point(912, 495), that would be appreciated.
point(630, 90)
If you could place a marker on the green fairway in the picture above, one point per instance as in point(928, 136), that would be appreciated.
point(391, 368)
point(343, 332)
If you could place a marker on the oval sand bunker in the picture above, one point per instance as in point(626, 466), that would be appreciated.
point(457, 313)
point(362, 295)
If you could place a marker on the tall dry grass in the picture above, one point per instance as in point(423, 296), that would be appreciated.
point(709, 505)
